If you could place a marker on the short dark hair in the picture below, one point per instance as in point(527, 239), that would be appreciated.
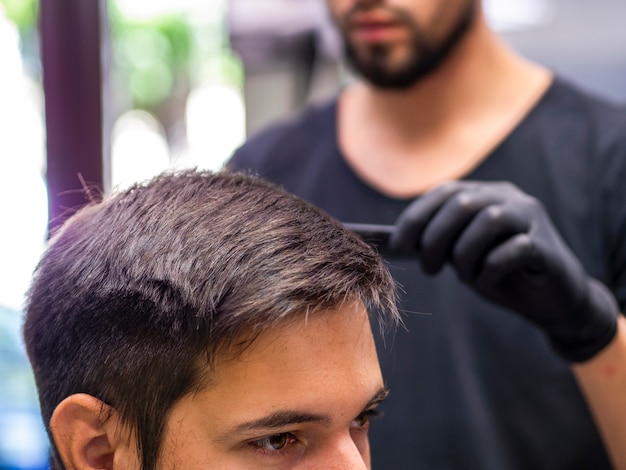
point(135, 293)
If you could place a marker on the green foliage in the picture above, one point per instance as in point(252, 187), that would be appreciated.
point(224, 67)
point(156, 59)
point(22, 12)
point(149, 56)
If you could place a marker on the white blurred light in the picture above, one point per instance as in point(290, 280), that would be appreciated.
point(148, 9)
point(216, 124)
point(23, 197)
point(513, 15)
point(139, 149)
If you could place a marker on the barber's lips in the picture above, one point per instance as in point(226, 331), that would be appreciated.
point(376, 31)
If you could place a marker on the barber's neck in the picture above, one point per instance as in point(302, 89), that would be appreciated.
point(482, 72)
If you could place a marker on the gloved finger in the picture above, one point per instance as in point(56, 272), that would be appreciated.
point(517, 256)
point(415, 217)
point(487, 230)
point(447, 225)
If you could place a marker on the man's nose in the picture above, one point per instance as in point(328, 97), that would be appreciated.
point(344, 454)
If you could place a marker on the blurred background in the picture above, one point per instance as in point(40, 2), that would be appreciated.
point(181, 83)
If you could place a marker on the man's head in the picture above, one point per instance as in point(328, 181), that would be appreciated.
point(206, 320)
point(395, 43)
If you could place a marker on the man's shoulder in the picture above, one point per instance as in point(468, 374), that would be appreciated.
point(280, 140)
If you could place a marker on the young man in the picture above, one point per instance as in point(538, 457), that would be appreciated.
point(442, 98)
point(207, 321)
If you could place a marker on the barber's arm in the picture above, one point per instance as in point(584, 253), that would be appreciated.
point(502, 243)
point(603, 382)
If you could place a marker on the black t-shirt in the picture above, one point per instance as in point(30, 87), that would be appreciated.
point(474, 386)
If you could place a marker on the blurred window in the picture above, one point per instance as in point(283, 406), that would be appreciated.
point(23, 211)
point(175, 88)
point(172, 100)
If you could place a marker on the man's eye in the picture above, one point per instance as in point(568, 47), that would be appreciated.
point(363, 420)
point(274, 443)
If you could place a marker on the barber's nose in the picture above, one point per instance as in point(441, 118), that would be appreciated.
point(361, 3)
point(368, 3)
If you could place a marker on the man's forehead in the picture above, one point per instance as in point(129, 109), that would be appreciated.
point(347, 318)
point(303, 362)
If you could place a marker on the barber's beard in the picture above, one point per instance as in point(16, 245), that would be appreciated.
point(425, 54)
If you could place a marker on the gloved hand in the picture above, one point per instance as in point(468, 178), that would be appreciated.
point(501, 242)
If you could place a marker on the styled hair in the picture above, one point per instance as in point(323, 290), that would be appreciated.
point(136, 295)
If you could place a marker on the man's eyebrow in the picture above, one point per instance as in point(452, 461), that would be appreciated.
point(280, 419)
point(276, 420)
point(379, 397)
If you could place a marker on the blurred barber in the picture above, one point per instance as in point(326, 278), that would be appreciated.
point(514, 272)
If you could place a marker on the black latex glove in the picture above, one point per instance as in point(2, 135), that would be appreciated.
point(501, 242)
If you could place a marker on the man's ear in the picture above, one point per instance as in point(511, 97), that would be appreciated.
point(86, 433)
